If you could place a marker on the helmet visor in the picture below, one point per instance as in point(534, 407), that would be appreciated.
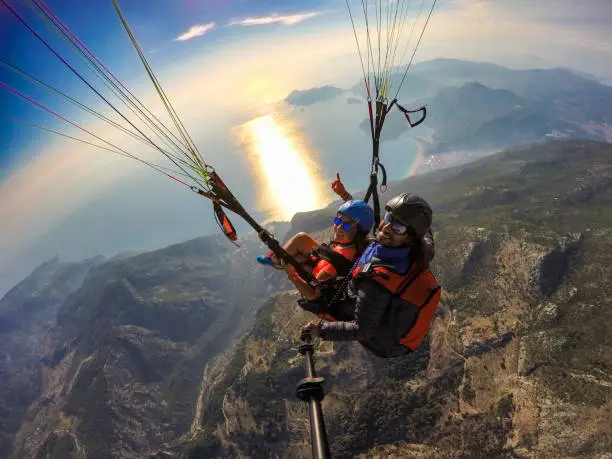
point(396, 226)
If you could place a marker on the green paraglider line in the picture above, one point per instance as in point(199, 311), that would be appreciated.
point(112, 82)
point(192, 148)
point(56, 54)
point(217, 192)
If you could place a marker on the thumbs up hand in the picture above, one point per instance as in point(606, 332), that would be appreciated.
point(339, 189)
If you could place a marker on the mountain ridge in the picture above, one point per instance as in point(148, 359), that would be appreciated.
point(467, 105)
point(485, 383)
point(138, 363)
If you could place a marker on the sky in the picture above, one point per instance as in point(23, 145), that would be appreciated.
point(224, 65)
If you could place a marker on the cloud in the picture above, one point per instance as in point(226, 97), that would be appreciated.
point(196, 31)
point(290, 19)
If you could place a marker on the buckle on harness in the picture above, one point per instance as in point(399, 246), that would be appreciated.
point(365, 270)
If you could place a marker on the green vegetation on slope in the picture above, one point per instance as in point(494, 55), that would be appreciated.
point(523, 251)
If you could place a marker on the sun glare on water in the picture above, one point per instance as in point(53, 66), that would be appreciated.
point(288, 179)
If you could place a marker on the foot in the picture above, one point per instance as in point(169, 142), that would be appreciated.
point(269, 260)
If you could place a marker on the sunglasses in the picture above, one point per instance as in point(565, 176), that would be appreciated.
point(346, 226)
point(396, 226)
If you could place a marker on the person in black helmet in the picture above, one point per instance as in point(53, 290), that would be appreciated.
point(391, 295)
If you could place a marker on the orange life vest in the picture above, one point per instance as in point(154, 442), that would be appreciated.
point(418, 286)
point(326, 264)
point(334, 266)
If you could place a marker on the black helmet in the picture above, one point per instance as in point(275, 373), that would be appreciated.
point(411, 210)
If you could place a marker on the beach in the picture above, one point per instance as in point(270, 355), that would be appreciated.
point(419, 160)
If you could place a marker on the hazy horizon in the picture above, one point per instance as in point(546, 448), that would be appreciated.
point(58, 197)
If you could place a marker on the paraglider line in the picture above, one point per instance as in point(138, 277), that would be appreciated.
point(42, 40)
point(118, 152)
point(416, 47)
point(70, 99)
point(48, 110)
point(74, 41)
point(86, 53)
point(193, 150)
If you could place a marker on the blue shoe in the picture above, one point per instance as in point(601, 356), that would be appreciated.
point(268, 261)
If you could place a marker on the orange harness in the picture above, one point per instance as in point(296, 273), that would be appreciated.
point(347, 251)
point(418, 286)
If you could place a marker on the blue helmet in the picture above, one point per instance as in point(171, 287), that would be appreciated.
point(359, 211)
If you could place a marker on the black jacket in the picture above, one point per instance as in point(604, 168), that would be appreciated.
point(369, 313)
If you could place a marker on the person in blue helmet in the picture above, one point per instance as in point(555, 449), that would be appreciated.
point(352, 224)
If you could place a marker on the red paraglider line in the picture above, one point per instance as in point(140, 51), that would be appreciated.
point(50, 48)
point(117, 149)
point(71, 36)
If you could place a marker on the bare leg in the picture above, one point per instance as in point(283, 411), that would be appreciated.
point(300, 246)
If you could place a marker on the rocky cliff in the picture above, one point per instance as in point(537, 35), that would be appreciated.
point(119, 362)
point(27, 313)
point(518, 360)
point(127, 355)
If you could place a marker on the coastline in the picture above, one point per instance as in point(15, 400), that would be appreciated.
point(426, 160)
point(419, 161)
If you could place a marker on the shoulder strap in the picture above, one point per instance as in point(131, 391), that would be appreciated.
point(337, 260)
point(397, 284)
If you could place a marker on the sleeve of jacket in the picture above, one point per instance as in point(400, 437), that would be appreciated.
point(370, 305)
